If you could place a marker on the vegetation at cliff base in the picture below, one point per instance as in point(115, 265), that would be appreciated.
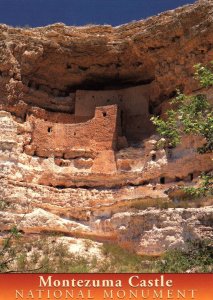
point(47, 255)
point(198, 257)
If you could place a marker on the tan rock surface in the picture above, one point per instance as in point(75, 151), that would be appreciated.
point(78, 152)
point(51, 62)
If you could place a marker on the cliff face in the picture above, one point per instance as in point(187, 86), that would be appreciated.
point(78, 152)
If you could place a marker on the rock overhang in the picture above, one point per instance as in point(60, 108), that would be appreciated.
point(43, 74)
point(159, 51)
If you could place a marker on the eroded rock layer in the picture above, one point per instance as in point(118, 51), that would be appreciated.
point(78, 152)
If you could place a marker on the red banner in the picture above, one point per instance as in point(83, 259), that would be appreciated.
point(106, 286)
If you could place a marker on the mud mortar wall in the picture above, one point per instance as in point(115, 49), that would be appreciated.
point(133, 106)
point(64, 140)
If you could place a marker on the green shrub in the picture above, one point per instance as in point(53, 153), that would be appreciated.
point(121, 260)
point(56, 258)
point(191, 115)
point(205, 189)
point(197, 258)
point(204, 75)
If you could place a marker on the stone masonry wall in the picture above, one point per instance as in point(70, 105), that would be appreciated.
point(67, 140)
point(133, 104)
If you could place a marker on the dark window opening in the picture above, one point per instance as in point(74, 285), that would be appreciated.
point(108, 100)
point(104, 114)
point(1, 73)
point(154, 157)
point(191, 176)
point(82, 68)
point(69, 66)
point(49, 129)
point(30, 83)
point(162, 180)
point(151, 109)
point(60, 187)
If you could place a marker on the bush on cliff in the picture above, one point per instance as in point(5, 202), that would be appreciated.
point(190, 115)
point(44, 254)
point(198, 257)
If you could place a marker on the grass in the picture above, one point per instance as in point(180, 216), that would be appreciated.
point(142, 204)
point(184, 202)
point(119, 260)
point(41, 255)
point(48, 256)
point(197, 258)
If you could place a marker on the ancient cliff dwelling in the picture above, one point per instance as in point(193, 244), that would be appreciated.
point(100, 121)
point(78, 152)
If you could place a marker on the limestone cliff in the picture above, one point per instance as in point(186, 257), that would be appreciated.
point(78, 151)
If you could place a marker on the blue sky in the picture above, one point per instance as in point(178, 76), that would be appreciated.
point(81, 12)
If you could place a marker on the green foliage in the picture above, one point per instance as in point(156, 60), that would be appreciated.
point(15, 232)
point(206, 130)
point(205, 189)
point(168, 128)
point(204, 75)
point(7, 251)
point(39, 255)
point(198, 258)
point(47, 256)
point(191, 115)
point(119, 260)
point(22, 262)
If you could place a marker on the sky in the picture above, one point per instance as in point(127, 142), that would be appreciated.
point(81, 12)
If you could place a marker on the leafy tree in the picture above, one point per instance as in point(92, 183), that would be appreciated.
point(190, 115)
point(204, 190)
point(6, 252)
